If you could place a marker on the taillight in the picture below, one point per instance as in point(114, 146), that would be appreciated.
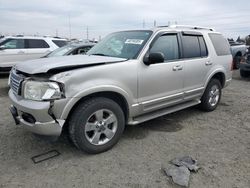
point(243, 60)
point(232, 65)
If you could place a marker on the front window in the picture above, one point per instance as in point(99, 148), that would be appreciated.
point(126, 44)
point(60, 51)
point(12, 44)
point(168, 45)
point(60, 43)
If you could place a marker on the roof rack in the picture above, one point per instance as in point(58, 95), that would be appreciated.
point(189, 27)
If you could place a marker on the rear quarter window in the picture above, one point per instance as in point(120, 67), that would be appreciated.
point(220, 44)
point(60, 43)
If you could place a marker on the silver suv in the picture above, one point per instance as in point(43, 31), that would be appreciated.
point(128, 78)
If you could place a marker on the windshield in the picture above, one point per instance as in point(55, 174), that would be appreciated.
point(126, 44)
point(60, 51)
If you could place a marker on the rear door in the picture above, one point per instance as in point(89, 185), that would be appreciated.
point(36, 48)
point(197, 63)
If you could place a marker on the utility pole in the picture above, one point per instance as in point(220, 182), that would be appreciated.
point(87, 33)
point(56, 33)
point(69, 28)
point(154, 23)
point(143, 23)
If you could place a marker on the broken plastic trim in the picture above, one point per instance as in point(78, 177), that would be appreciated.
point(45, 156)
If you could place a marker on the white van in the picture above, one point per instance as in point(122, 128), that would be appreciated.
point(21, 48)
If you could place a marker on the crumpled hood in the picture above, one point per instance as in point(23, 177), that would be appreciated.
point(63, 63)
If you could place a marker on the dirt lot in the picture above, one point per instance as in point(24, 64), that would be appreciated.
point(220, 140)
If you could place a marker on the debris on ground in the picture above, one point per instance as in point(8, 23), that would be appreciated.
point(186, 161)
point(45, 156)
point(180, 172)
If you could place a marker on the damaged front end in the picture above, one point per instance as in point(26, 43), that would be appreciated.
point(33, 100)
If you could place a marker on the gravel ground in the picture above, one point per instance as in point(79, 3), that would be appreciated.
point(219, 140)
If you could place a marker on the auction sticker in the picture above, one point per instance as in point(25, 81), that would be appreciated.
point(134, 41)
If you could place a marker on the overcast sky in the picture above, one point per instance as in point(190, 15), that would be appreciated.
point(46, 17)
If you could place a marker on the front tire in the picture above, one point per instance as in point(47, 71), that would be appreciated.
point(211, 96)
point(96, 125)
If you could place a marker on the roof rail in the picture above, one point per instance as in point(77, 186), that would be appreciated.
point(191, 27)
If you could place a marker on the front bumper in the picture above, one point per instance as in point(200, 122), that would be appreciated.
point(40, 122)
point(245, 67)
point(227, 82)
point(5, 69)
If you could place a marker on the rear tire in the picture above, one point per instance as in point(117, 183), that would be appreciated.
point(96, 125)
point(244, 74)
point(236, 61)
point(211, 96)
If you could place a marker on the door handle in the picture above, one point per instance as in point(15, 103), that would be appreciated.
point(21, 52)
point(177, 68)
point(208, 63)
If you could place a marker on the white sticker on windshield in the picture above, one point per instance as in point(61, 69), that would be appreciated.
point(134, 41)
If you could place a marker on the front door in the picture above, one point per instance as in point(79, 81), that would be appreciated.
point(161, 85)
point(12, 50)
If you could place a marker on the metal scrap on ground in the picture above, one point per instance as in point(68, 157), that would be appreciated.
point(180, 172)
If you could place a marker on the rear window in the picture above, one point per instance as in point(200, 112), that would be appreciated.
point(220, 44)
point(194, 46)
point(60, 43)
point(36, 43)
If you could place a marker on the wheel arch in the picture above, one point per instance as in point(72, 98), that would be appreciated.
point(219, 75)
point(119, 98)
point(238, 54)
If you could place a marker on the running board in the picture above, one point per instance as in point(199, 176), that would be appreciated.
point(161, 112)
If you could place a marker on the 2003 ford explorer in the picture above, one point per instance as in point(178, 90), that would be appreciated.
point(128, 78)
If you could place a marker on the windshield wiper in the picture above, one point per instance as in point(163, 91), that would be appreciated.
point(99, 54)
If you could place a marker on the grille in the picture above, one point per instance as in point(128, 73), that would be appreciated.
point(15, 82)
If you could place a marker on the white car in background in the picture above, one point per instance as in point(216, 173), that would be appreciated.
point(22, 48)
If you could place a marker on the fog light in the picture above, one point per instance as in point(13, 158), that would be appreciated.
point(28, 117)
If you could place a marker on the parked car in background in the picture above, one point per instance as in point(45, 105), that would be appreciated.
point(245, 66)
point(71, 49)
point(21, 48)
point(238, 50)
point(127, 78)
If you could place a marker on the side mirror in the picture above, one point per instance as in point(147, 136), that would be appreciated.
point(152, 58)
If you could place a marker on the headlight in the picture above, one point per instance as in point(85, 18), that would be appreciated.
point(40, 91)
